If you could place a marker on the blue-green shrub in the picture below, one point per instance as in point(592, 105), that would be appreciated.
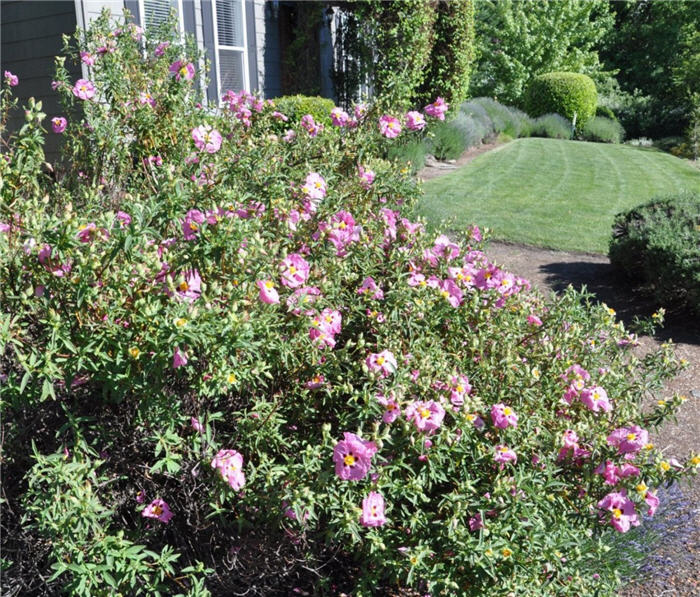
point(553, 126)
point(604, 130)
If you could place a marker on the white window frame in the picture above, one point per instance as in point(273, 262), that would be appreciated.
point(180, 17)
point(243, 49)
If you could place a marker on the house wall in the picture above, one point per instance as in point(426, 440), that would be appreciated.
point(31, 36)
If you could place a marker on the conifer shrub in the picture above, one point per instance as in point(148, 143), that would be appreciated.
point(656, 245)
point(231, 361)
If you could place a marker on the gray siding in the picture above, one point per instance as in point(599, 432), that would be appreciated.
point(31, 35)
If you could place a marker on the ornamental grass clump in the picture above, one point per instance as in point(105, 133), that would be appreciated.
point(243, 366)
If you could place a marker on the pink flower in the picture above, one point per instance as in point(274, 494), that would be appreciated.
point(360, 111)
point(160, 49)
point(279, 116)
point(652, 501)
point(369, 288)
point(451, 292)
point(459, 389)
point(289, 136)
point(373, 510)
point(475, 522)
point(206, 138)
point(392, 411)
point(294, 270)
point(366, 177)
point(196, 425)
point(415, 121)
point(84, 89)
point(190, 225)
point(437, 109)
point(383, 363)
point(325, 326)
point(179, 358)
point(191, 286)
point(503, 416)
point(87, 58)
point(389, 126)
point(87, 232)
point(159, 510)
point(58, 124)
point(505, 454)
point(268, 294)
point(12, 80)
point(182, 70)
point(629, 440)
point(534, 320)
point(339, 117)
point(124, 219)
point(307, 121)
point(343, 231)
point(314, 187)
point(316, 382)
point(353, 457)
point(426, 416)
point(623, 514)
point(596, 399)
point(229, 464)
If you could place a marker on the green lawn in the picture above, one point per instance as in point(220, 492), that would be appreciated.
point(552, 193)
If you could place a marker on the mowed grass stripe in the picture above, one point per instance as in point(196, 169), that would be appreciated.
point(553, 193)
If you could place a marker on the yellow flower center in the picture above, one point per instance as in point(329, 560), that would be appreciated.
point(695, 460)
point(184, 286)
point(380, 361)
point(269, 285)
point(665, 466)
point(183, 71)
point(349, 460)
point(642, 488)
point(180, 322)
point(617, 513)
point(134, 352)
point(506, 552)
point(292, 270)
point(157, 510)
point(425, 413)
point(631, 437)
point(460, 388)
point(231, 378)
point(507, 411)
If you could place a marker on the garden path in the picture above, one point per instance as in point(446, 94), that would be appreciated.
point(671, 564)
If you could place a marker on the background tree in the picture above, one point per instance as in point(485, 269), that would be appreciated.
point(654, 47)
point(518, 40)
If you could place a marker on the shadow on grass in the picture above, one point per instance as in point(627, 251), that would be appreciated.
point(610, 287)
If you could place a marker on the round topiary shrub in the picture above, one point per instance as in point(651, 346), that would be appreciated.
point(296, 106)
point(235, 363)
point(656, 244)
point(572, 95)
point(605, 112)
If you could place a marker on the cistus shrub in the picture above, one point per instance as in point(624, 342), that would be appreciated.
point(552, 126)
point(242, 367)
point(573, 95)
point(603, 130)
point(656, 245)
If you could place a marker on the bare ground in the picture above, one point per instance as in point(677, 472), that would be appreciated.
point(671, 565)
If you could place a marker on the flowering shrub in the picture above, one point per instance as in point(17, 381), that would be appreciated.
point(243, 366)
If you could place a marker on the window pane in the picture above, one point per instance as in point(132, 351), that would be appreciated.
point(231, 70)
point(229, 17)
point(156, 12)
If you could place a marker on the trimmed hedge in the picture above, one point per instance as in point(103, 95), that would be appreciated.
point(568, 94)
point(657, 245)
point(296, 106)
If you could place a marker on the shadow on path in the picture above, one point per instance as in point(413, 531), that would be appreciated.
point(612, 288)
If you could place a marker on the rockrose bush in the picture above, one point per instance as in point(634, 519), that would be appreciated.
point(234, 363)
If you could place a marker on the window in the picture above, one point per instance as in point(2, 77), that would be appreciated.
point(231, 45)
point(155, 12)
